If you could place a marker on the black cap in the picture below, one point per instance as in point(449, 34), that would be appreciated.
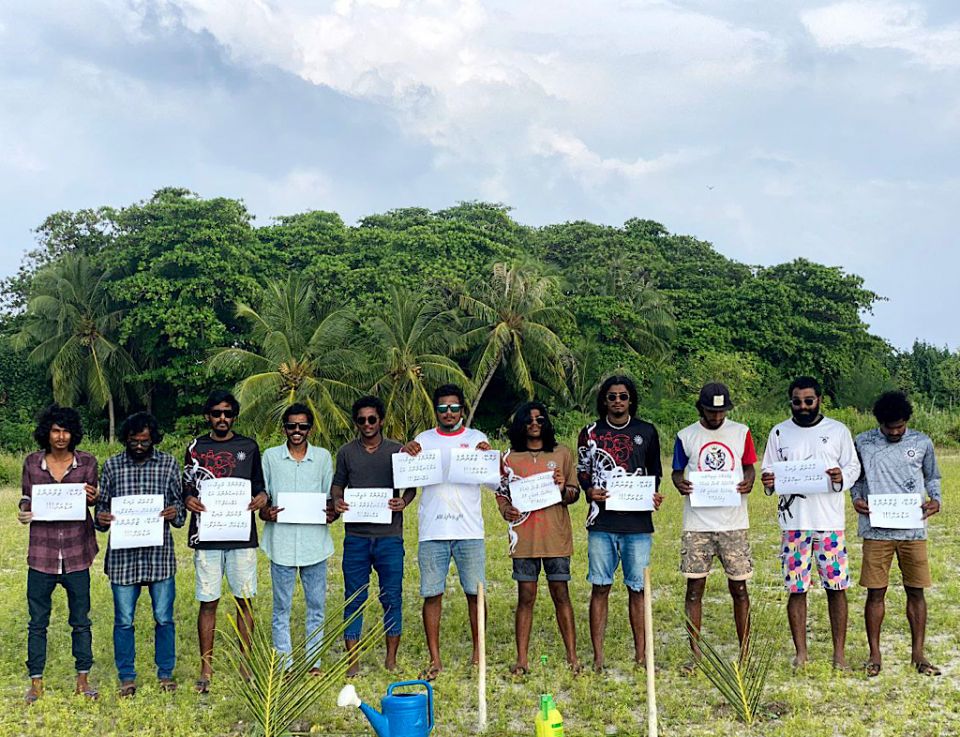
point(715, 396)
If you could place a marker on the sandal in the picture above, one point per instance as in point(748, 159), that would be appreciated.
point(519, 670)
point(926, 668)
point(127, 689)
point(202, 685)
point(430, 673)
point(688, 668)
point(871, 669)
point(168, 685)
point(90, 692)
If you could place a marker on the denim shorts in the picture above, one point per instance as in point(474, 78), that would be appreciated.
point(239, 565)
point(528, 569)
point(434, 559)
point(605, 550)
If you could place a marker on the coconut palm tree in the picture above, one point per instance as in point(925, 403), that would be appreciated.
point(70, 326)
point(409, 339)
point(511, 319)
point(300, 356)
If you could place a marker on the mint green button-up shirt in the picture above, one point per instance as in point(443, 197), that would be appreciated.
point(292, 544)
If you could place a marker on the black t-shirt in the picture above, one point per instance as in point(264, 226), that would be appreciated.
point(238, 457)
point(634, 448)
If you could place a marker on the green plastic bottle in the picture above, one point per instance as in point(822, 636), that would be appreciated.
point(548, 723)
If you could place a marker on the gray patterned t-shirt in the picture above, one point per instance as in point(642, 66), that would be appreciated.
point(908, 466)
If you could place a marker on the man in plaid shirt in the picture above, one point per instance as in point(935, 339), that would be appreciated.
point(142, 469)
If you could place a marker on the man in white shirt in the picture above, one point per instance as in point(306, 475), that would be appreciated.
point(450, 523)
point(715, 444)
point(812, 525)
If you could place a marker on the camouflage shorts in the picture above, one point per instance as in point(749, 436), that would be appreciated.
point(732, 547)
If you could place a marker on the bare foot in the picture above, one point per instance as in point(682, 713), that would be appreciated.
point(798, 662)
point(431, 672)
point(598, 665)
point(520, 669)
point(840, 664)
point(354, 670)
point(475, 658)
point(390, 665)
point(576, 666)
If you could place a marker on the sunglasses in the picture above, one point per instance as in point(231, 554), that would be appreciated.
point(537, 420)
point(614, 396)
point(139, 443)
point(368, 420)
point(228, 413)
point(303, 426)
point(444, 408)
point(806, 401)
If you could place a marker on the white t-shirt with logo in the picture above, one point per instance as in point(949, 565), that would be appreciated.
point(728, 448)
point(828, 441)
point(450, 511)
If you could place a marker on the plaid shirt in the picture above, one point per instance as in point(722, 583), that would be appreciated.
point(158, 474)
point(74, 544)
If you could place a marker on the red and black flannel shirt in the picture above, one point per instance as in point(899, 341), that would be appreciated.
point(74, 542)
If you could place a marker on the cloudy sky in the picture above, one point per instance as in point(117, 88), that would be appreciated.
point(827, 130)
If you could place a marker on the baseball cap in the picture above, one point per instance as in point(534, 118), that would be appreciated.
point(715, 396)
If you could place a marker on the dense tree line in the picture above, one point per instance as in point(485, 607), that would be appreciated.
point(152, 304)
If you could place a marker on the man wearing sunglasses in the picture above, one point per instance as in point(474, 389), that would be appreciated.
point(366, 463)
point(715, 444)
point(297, 467)
point(222, 453)
point(450, 523)
point(812, 525)
point(617, 443)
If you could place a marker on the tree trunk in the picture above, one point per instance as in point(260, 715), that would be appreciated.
point(483, 388)
point(110, 417)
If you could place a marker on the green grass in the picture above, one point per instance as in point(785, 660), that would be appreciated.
point(813, 702)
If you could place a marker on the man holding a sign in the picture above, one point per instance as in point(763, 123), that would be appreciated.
point(898, 489)
point(451, 523)
point(224, 535)
point(809, 461)
point(296, 537)
point(373, 536)
point(616, 446)
point(63, 543)
point(540, 535)
point(149, 481)
point(715, 522)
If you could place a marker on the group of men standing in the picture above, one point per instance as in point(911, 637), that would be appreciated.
point(889, 459)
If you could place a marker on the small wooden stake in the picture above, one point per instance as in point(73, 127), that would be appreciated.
point(482, 642)
point(648, 640)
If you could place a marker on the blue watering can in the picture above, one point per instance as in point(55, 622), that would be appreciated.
point(401, 715)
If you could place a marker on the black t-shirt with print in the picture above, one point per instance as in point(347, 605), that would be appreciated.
point(238, 457)
point(634, 448)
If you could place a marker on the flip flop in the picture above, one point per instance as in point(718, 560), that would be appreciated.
point(202, 685)
point(90, 692)
point(430, 673)
point(871, 669)
point(926, 668)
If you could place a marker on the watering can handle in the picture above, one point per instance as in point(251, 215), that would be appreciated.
point(429, 696)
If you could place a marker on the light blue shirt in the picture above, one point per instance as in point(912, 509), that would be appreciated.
point(293, 544)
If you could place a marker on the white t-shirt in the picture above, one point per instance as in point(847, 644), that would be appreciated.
point(450, 511)
point(728, 448)
point(827, 441)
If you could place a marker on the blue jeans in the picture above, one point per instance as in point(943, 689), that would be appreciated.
point(314, 581)
point(434, 559)
point(385, 555)
point(162, 595)
point(605, 550)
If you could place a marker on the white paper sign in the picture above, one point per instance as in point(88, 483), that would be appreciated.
point(423, 469)
point(227, 517)
point(535, 492)
point(801, 477)
point(58, 502)
point(629, 493)
point(137, 522)
point(368, 505)
point(301, 508)
point(714, 489)
point(469, 466)
point(896, 511)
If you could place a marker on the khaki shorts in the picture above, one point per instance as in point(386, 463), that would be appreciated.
point(911, 557)
point(732, 547)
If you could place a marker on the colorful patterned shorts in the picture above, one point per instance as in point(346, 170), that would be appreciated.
point(800, 547)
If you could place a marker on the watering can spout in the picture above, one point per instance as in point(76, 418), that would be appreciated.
point(380, 724)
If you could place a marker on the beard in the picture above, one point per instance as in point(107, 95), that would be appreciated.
point(806, 417)
point(221, 433)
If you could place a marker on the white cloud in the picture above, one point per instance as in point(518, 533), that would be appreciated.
point(885, 25)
